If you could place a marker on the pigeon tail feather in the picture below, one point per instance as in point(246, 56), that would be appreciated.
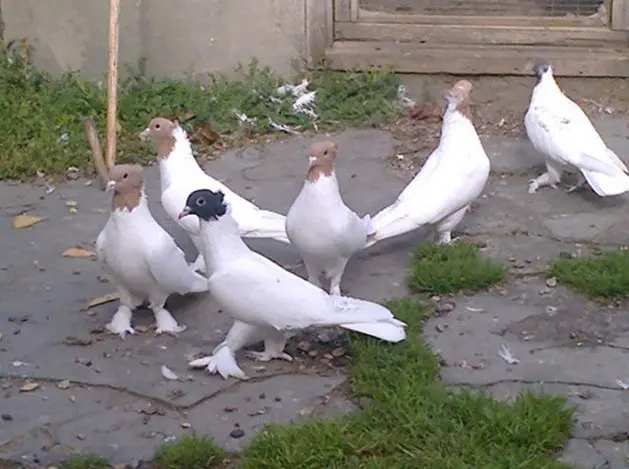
point(368, 318)
point(200, 284)
point(267, 225)
point(383, 331)
point(390, 223)
point(605, 185)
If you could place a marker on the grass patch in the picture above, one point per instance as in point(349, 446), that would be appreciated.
point(439, 270)
point(85, 461)
point(41, 118)
point(414, 421)
point(603, 276)
point(191, 452)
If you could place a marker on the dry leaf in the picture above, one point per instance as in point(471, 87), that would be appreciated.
point(101, 300)
point(24, 221)
point(426, 111)
point(204, 135)
point(168, 373)
point(77, 253)
point(29, 386)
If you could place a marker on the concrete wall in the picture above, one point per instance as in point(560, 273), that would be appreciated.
point(176, 38)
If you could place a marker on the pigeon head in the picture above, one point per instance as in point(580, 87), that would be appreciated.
point(321, 159)
point(126, 181)
point(541, 68)
point(205, 204)
point(459, 97)
point(160, 131)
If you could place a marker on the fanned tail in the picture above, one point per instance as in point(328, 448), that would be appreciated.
point(267, 225)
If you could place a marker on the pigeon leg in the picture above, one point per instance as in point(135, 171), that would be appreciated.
point(444, 227)
point(120, 323)
point(314, 275)
point(164, 320)
point(551, 178)
point(580, 183)
point(274, 343)
point(335, 277)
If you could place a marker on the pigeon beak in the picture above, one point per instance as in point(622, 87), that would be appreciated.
point(185, 212)
point(312, 160)
point(144, 135)
point(111, 185)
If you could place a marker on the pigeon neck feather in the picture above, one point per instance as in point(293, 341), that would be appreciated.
point(130, 201)
point(222, 242)
point(180, 162)
point(323, 169)
point(547, 87)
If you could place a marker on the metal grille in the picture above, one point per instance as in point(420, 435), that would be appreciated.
point(547, 8)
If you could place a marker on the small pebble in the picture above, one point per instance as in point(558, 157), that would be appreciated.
point(237, 433)
point(262, 396)
point(7, 417)
point(551, 282)
point(278, 399)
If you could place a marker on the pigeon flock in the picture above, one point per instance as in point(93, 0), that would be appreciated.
point(269, 303)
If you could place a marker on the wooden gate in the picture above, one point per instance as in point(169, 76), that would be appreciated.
point(579, 37)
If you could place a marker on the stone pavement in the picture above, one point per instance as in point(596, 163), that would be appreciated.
point(101, 394)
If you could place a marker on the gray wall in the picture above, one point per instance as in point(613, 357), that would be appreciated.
point(175, 37)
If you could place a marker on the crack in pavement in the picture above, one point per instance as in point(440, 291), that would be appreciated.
point(489, 384)
point(163, 402)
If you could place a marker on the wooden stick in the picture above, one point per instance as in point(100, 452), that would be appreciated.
point(112, 81)
point(97, 155)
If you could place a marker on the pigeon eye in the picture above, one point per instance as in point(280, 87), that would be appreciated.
point(156, 126)
point(201, 202)
point(325, 152)
point(125, 175)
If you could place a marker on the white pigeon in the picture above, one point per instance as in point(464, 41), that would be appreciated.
point(561, 131)
point(180, 174)
point(140, 256)
point(261, 294)
point(452, 177)
point(319, 224)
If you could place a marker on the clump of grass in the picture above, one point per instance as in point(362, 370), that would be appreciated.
point(191, 452)
point(448, 269)
point(414, 421)
point(41, 119)
point(604, 276)
point(85, 461)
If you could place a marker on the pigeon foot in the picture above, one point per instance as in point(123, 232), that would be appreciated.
point(166, 324)
point(268, 356)
point(221, 362)
point(120, 324)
